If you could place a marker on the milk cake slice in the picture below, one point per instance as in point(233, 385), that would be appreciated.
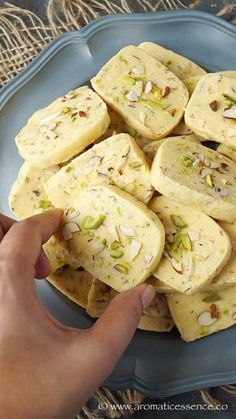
point(204, 313)
point(27, 196)
point(149, 97)
point(196, 248)
point(181, 66)
point(116, 161)
point(196, 176)
point(211, 111)
point(116, 238)
point(63, 129)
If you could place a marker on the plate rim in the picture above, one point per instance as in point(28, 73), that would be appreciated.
point(82, 36)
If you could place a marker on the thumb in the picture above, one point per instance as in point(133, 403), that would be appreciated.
point(116, 327)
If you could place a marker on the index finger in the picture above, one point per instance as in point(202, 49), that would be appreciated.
point(21, 246)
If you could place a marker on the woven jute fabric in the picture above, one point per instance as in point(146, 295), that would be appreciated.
point(23, 35)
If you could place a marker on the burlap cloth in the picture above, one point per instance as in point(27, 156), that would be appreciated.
point(23, 35)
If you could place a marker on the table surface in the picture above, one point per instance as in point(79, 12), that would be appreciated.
point(194, 397)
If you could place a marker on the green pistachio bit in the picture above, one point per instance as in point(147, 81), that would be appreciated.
point(66, 111)
point(212, 298)
point(123, 60)
point(135, 164)
point(226, 312)
point(129, 80)
point(178, 221)
point(231, 99)
point(44, 204)
point(208, 181)
point(173, 250)
point(119, 210)
point(115, 253)
point(115, 245)
point(187, 161)
point(204, 331)
point(68, 169)
point(90, 223)
point(26, 179)
point(152, 104)
point(122, 267)
point(187, 244)
point(104, 242)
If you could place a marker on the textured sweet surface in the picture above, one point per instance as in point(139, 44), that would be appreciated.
point(196, 176)
point(206, 111)
point(117, 238)
point(179, 65)
point(63, 129)
point(27, 196)
point(201, 314)
point(148, 96)
point(117, 161)
point(196, 247)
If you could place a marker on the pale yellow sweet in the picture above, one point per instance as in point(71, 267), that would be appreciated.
point(63, 129)
point(196, 176)
point(204, 313)
point(117, 161)
point(192, 81)
point(196, 248)
point(116, 238)
point(205, 112)
point(58, 256)
point(151, 148)
point(73, 284)
point(181, 66)
point(228, 151)
point(155, 318)
point(149, 97)
point(27, 196)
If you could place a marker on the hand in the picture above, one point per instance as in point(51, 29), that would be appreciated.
point(48, 370)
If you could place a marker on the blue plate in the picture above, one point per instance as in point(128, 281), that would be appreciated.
point(155, 364)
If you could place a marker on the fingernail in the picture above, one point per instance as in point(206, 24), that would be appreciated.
point(147, 295)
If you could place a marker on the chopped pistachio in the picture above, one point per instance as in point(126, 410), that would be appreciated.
point(212, 298)
point(226, 312)
point(187, 161)
point(44, 204)
point(204, 331)
point(135, 164)
point(231, 99)
point(90, 223)
point(152, 104)
point(115, 245)
point(115, 253)
point(123, 60)
point(26, 179)
point(208, 181)
point(178, 221)
point(104, 242)
point(187, 244)
point(122, 267)
point(129, 80)
point(68, 169)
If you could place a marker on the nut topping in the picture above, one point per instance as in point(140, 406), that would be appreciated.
point(213, 105)
point(205, 319)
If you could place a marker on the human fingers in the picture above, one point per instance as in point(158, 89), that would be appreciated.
point(21, 246)
point(5, 225)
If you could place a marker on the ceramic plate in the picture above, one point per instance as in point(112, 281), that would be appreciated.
point(155, 364)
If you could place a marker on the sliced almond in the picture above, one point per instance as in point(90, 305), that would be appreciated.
point(205, 172)
point(52, 125)
point(138, 88)
point(114, 233)
point(43, 129)
point(70, 95)
point(196, 162)
point(134, 249)
point(148, 258)
point(170, 238)
point(223, 193)
point(121, 163)
point(207, 162)
point(49, 118)
point(95, 160)
point(139, 69)
point(230, 113)
point(129, 232)
point(132, 96)
point(142, 117)
point(148, 87)
point(205, 319)
point(215, 165)
point(170, 231)
point(190, 267)
point(194, 235)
